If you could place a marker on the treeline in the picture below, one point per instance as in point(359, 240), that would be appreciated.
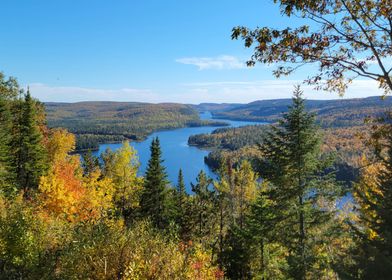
point(63, 219)
point(95, 123)
point(330, 113)
point(229, 138)
point(346, 143)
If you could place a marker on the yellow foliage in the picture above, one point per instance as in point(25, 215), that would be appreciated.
point(167, 260)
point(127, 184)
point(64, 192)
point(366, 193)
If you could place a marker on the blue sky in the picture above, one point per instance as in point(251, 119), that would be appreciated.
point(146, 50)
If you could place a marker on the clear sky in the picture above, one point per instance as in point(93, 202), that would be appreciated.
point(146, 50)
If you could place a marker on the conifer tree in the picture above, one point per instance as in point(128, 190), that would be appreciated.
point(29, 156)
point(5, 149)
point(182, 207)
point(9, 90)
point(153, 196)
point(90, 163)
point(293, 163)
point(181, 192)
point(203, 206)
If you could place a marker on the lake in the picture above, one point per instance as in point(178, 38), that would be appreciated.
point(176, 152)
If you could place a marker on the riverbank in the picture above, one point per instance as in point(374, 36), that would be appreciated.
point(175, 150)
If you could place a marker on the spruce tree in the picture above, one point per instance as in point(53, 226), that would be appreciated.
point(6, 175)
point(9, 90)
point(293, 163)
point(181, 192)
point(29, 156)
point(155, 184)
point(203, 206)
point(183, 209)
point(90, 163)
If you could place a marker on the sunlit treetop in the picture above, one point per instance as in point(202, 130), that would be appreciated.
point(346, 39)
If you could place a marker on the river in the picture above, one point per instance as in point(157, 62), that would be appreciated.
point(176, 152)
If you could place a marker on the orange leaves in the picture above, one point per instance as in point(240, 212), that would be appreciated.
point(63, 192)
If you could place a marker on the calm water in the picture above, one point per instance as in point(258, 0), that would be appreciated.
point(175, 150)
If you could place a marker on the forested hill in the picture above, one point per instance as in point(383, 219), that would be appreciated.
point(99, 122)
point(335, 113)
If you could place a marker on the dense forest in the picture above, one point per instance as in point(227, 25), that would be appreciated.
point(276, 210)
point(330, 113)
point(63, 218)
point(94, 123)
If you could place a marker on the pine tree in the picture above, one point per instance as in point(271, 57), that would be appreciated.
point(203, 206)
point(9, 90)
point(30, 157)
point(155, 185)
point(182, 207)
point(90, 163)
point(181, 192)
point(293, 163)
point(6, 175)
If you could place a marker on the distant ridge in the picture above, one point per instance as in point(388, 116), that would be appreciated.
point(335, 113)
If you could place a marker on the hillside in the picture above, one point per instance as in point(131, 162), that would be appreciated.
point(331, 113)
point(98, 122)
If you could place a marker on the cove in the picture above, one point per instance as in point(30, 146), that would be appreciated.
point(176, 152)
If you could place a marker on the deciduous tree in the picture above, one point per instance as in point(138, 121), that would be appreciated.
point(345, 39)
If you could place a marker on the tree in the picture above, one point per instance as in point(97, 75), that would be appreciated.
point(182, 207)
point(64, 192)
point(90, 163)
point(245, 181)
point(61, 189)
point(128, 185)
point(28, 153)
point(235, 192)
point(6, 175)
point(203, 206)
point(155, 184)
point(292, 162)
point(108, 162)
point(346, 39)
point(373, 194)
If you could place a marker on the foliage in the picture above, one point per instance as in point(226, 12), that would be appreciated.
point(128, 186)
point(63, 192)
point(292, 163)
point(28, 161)
point(344, 38)
point(153, 196)
point(373, 227)
point(329, 113)
point(101, 122)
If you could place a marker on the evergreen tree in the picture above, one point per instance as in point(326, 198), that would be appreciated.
point(90, 163)
point(108, 158)
point(28, 153)
point(182, 207)
point(9, 90)
point(236, 256)
point(155, 184)
point(203, 207)
point(293, 163)
point(5, 149)
point(181, 192)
